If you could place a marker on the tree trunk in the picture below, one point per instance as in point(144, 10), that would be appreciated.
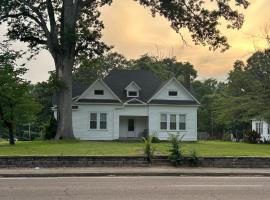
point(11, 133)
point(64, 98)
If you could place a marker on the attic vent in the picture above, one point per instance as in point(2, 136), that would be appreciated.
point(173, 93)
point(99, 92)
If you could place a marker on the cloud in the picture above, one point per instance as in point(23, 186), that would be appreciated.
point(134, 32)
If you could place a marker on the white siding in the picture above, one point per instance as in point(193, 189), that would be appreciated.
point(146, 117)
point(81, 123)
point(265, 134)
point(98, 85)
point(190, 134)
point(173, 86)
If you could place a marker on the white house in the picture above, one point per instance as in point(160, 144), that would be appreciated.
point(261, 126)
point(129, 104)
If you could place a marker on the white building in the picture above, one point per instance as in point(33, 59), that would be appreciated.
point(261, 126)
point(129, 104)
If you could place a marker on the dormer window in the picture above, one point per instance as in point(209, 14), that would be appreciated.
point(132, 93)
point(132, 90)
point(173, 93)
point(99, 92)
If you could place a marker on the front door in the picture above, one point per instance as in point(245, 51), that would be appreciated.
point(131, 128)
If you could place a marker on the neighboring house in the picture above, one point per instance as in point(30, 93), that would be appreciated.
point(129, 104)
point(261, 126)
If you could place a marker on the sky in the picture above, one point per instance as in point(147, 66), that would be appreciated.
point(132, 31)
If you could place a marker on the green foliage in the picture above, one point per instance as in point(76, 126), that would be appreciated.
point(226, 137)
point(16, 103)
point(166, 68)
point(175, 149)
point(252, 137)
point(50, 129)
point(193, 158)
point(87, 71)
point(149, 149)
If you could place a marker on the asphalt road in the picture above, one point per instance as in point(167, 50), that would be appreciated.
point(126, 188)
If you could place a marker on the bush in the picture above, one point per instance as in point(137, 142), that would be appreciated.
point(252, 137)
point(226, 137)
point(50, 129)
point(149, 149)
point(175, 150)
point(193, 158)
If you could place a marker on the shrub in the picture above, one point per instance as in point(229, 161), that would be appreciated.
point(193, 158)
point(50, 129)
point(149, 149)
point(175, 150)
point(226, 137)
point(252, 137)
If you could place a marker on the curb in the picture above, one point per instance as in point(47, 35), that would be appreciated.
point(106, 174)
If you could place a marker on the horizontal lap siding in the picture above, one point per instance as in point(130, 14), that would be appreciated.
point(191, 121)
point(81, 123)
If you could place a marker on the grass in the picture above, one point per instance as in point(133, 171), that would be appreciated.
point(90, 148)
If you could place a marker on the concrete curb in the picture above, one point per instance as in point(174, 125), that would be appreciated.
point(117, 174)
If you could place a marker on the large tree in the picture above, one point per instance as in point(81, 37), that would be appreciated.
point(69, 28)
point(247, 93)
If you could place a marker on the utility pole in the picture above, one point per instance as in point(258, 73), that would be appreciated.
point(29, 131)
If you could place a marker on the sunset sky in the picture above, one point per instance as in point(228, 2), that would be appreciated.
point(132, 30)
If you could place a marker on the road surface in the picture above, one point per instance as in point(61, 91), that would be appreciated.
point(131, 188)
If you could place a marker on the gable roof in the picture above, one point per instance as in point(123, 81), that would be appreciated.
point(193, 101)
point(82, 96)
point(118, 80)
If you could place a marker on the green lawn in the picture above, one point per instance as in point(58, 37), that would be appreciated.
point(85, 148)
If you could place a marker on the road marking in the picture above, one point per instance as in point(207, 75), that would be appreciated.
point(137, 177)
point(216, 185)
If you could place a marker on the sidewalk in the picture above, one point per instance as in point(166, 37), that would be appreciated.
point(133, 171)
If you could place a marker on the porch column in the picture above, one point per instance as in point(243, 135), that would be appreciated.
point(116, 126)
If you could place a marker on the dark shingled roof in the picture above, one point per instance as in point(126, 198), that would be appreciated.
point(118, 80)
point(77, 89)
point(174, 102)
point(98, 101)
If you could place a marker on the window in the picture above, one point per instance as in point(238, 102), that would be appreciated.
point(259, 127)
point(93, 120)
point(99, 92)
point(172, 122)
point(131, 125)
point(182, 122)
point(103, 121)
point(173, 93)
point(132, 94)
point(163, 121)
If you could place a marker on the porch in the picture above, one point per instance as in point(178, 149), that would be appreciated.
point(133, 127)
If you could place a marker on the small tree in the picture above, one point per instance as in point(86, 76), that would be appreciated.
point(16, 105)
point(175, 150)
point(149, 149)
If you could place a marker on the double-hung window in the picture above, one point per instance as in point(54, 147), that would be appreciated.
point(163, 121)
point(173, 122)
point(259, 127)
point(93, 120)
point(182, 122)
point(103, 121)
point(98, 121)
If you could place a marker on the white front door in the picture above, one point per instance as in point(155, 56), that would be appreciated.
point(131, 128)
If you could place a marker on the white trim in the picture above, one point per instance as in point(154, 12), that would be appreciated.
point(104, 84)
point(98, 121)
point(136, 85)
point(180, 84)
point(137, 93)
point(136, 100)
